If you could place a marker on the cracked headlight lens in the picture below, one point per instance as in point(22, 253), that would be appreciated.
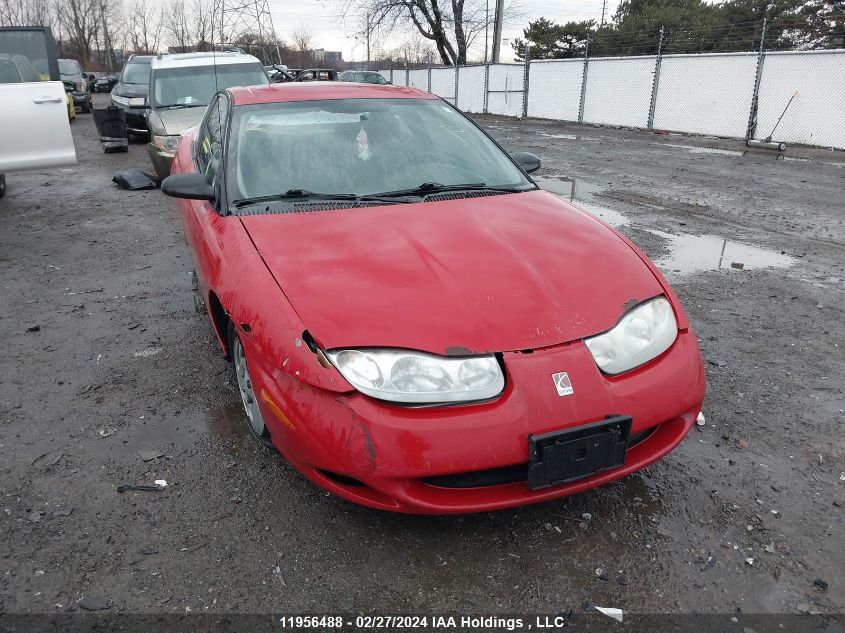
point(412, 377)
point(642, 334)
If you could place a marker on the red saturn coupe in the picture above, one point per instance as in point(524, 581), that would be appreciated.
point(413, 324)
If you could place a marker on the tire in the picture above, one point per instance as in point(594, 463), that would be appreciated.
point(254, 419)
point(2, 185)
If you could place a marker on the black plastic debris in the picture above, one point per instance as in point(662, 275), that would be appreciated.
point(111, 128)
point(134, 179)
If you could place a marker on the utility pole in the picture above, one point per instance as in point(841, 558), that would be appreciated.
point(497, 30)
point(603, 9)
point(368, 40)
point(486, 28)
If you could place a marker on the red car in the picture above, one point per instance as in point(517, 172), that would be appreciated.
point(413, 324)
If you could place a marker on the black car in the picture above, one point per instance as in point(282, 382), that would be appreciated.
point(75, 83)
point(106, 83)
point(131, 93)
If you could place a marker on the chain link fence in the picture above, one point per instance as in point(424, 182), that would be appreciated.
point(738, 95)
point(706, 93)
point(618, 91)
point(816, 115)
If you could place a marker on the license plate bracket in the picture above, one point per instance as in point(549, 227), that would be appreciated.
point(562, 456)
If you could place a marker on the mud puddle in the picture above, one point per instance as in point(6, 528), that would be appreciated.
point(687, 253)
point(570, 137)
point(697, 149)
point(696, 253)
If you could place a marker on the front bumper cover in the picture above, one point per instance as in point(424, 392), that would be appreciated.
point(383, 453)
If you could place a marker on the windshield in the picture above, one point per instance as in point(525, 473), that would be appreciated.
point(137, 73)
point(69, 67)
point(361, 147)
point(191, 86)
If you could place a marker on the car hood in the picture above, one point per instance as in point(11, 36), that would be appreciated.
point(487, 274)
point(179, 119)
point(131, 90)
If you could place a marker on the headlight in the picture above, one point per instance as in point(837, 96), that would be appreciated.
point(419, 378)
point(80, 86)
point(167, 143)
point(643, 333)
point(137, 102)
point(120, 100)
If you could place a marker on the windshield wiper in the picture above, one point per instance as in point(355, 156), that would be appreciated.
point(302, 194)
point(428, 188)
point(175, 106)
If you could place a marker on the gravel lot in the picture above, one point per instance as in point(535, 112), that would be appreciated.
point(742, 518)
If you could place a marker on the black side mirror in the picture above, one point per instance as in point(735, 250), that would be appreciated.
point(192, 186)
point(528, 161)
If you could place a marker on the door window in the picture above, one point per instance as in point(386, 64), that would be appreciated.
point(32, 51)
point(210, 141)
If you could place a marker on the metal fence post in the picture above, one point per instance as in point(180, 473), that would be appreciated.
point(584, 81)
point(407, 75)
point(752, 116)
point(486, 86)
point(457, 74)
point(391, 73)
point(656, 81)
point(429, 78)
point(525, 78)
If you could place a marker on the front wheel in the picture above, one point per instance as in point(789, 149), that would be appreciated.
point(254, 419)
point(2, 185)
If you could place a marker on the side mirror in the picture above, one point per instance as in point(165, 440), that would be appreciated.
point(192, 186)
point(528, 161)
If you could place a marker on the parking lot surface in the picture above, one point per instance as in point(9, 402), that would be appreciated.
point(107, 363)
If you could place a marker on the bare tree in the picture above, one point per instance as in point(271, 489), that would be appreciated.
point(176, 24)
point(80, 20)
point(27, 13)
point(202, 25)
point(302, 39)
point(302, 44)
point(145, 26)
point(450, 26)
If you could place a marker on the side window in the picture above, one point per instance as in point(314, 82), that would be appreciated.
point(210, 140)
point(27, 71)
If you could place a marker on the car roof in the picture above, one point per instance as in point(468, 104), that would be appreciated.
point(317, 90)
point(182, 60)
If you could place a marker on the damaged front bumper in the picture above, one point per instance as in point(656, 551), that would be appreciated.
point(414, 459)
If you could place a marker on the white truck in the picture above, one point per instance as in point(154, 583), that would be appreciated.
point(34, 124)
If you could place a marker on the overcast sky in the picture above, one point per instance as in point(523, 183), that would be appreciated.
point(321, 17)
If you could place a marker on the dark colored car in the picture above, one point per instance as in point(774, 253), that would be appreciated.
point(280, 75)
point(317, 74)
point(106, 83)
point(363, 77)
point(76, 82)
point(131, 92)
point(91, 78)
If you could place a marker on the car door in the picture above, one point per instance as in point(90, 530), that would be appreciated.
point(34, 125)
point(202, 221)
